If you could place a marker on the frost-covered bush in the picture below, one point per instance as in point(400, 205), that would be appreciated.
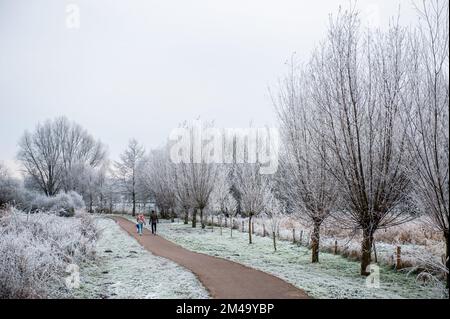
point(36, 248)
point(64, 204)
point(13, 193)
point(9, 187)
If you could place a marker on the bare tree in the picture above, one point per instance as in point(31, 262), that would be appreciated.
point(253, 188)
point(428, 120)
point(55, 152)
point(274, 212)
point(221, 195)
point(198, 171)
point(304, 177)
point(158, 176)
point(126, 170)
point(358, 84)
point(180, 181)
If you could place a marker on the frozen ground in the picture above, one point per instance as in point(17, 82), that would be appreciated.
point(333, 277)
point(124, 269)
point(421, 246)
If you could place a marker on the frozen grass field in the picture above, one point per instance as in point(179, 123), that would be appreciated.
point(333, 277)
point(124, 269)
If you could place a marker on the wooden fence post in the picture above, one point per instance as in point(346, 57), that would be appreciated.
point(293, 235)
point(399, 258)
point(335, 247)
point(274, 241)
point(375, 252)
point(301, 237)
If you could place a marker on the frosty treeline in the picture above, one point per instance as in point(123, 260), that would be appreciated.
point(65, 169)
point(364, 127)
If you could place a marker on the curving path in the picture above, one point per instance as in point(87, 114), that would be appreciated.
point(223, 279)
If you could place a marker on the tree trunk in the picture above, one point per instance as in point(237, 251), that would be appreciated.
point(274, 241)
point(446, 256)
point(186, 216)
point(250, 229)
point(315, 239)
point(366, 251)
point(231, 226)
point(133, 213)
point(194, 218)
point(201, 218)
point(172, 215)
point(90, 204)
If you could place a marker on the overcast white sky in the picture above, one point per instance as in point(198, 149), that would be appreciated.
point(137, 68)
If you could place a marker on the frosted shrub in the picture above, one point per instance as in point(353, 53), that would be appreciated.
point(8, 187)
point(36, 248)
point(64, 204)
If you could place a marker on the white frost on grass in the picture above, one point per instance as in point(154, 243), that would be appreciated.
point(126, 270)
point(333, 277)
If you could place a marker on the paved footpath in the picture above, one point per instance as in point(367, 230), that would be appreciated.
point(223, 279)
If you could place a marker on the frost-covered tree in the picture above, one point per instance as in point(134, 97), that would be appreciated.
point(428, 119)
point(110, 193)
point(9, 187)
point(199, 171)
point(273, 212)
point(127, 169)
point(157, 174)
point(180, 180)
point(93, 187)
point(253, 188)
point(358, 83)
point(304, 178)
point(221, 195)
point(55, 153)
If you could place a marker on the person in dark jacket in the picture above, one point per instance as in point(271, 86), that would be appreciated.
point(153, 221)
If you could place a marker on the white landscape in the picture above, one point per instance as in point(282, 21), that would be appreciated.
point(124, 269)
point(335, 277)
point(279, 149)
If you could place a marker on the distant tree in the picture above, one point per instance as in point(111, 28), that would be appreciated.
point(157, 176)
point(55, 153)
point(180, 181)
point(273, 211)
point(127, 169)
point(253, 188)
point(9, 187)
point(199, 172)
point(304, 178)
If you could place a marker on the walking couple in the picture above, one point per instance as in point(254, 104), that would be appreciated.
point(140, 219)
